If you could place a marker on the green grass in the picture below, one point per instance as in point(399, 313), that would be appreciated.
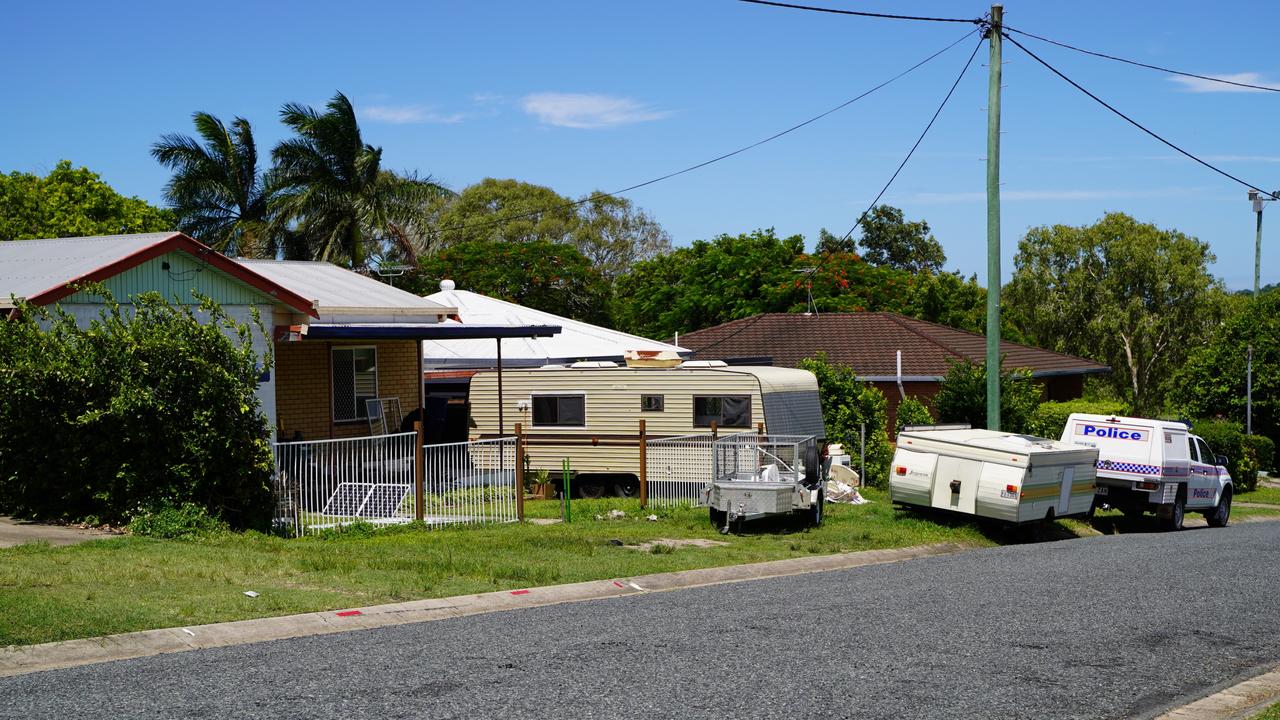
point(1267, 495)
point(1271, 713)
point(136, 583)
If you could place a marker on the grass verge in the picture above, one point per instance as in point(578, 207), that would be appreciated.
point(1271, 713)
point(1268, 495)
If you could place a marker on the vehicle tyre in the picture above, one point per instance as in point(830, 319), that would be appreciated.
point(817, 510)
point(1221, 515)
point(626, 489)
point(718, 518)
point(591, 490)
point(1173, 516)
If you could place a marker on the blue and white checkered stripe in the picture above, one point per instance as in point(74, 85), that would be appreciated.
point(1124, 467)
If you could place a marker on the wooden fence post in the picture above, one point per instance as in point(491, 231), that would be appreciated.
point(419, 469)
point(644, 467)
point(519, 473)
point(714, 431)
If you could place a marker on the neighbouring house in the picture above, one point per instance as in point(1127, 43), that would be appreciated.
point(339, 338)
point(870, 343)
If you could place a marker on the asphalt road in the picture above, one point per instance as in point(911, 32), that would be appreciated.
point(1118, 626)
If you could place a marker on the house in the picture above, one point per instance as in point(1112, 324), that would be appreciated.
point(339, 338)
point(870, 343)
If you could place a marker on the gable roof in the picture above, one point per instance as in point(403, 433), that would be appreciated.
point(45, 271)
point(868, 342)
point(336, 290)
point(576, 341)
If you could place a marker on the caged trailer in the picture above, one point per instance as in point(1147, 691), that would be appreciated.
point(756, 476)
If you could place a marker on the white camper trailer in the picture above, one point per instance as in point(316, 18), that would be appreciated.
point(991, 474)
point(1154, 465)
point(590, 412)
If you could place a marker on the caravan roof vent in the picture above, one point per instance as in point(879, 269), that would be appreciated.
point(594, 364)
point(703, 364)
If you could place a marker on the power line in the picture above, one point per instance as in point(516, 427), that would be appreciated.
point(1139, 64)
point(813, 271)
point(1135, 123)
point(691, 168)
point(887, 16)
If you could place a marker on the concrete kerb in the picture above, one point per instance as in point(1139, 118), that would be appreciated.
point(1242, 700)
point(21, 660)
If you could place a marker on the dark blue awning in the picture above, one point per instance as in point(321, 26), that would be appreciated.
point(425, 331)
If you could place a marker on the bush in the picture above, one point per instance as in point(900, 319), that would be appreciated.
point(147, 405)
point(912, 412)
point(1227, 438)
point(1263, 450)
point(963, 397)
point(1049, 418)
point(847, 404)
point(176, 522)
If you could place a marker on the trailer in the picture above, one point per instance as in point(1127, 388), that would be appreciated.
point(757, 476)
point(589, 412)
point(991, 474)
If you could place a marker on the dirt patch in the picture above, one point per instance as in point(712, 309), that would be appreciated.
point(671, 544)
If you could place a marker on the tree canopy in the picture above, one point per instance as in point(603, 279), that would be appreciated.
point(72, 202)
point(888, 238)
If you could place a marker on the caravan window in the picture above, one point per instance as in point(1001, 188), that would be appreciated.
point(726, 411)
point(651, 403)
point(560, 410)
point(355, 379)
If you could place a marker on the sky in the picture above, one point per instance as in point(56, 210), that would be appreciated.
point(585, 96)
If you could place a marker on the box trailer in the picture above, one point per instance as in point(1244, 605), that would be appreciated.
point(992, 474)
point(1154, 465)
point(590, 412)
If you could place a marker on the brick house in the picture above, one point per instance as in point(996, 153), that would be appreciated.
point(869, 342)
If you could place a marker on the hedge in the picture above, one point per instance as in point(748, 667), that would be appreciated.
point(1049, 418)
point(1246, 454)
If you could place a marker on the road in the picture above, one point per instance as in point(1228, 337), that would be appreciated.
point(1114, 626)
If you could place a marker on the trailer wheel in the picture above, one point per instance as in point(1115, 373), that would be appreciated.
point(1171, 516)
point(718, 518)
point(1221, 514)
point(816, 510)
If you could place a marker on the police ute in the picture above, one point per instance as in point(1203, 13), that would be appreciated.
point(1154, 466)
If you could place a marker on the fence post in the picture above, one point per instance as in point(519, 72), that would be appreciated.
point(519, 473)
point(714, 431)
point(419, 469)
point(644, 467)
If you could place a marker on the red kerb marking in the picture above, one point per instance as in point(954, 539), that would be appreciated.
point(615, 582)
point(519, 592)
point(348, 613)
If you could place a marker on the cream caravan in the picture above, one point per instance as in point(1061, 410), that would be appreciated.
point(590, 412)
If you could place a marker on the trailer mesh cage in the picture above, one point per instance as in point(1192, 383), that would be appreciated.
point(752, 457)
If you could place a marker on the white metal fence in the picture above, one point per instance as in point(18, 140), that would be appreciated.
point(328, 483)
point(677, 469)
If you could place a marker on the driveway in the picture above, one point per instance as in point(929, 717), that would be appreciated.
point(18, 532)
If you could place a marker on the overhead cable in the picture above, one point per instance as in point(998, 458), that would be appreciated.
point(1210, 78)
point(718, 158)
point(887, 16)
point(1135, 123)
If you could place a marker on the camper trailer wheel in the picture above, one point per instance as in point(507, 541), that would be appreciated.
point(1221, 514)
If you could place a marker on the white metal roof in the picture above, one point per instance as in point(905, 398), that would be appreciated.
point(577, 340)
point(29, 267)
point(349, 295)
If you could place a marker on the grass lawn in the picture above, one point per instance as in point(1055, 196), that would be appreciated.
point(1268, 495)
point(136, 583)
point(1271, 713)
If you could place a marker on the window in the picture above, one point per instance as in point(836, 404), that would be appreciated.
point(1206, 455)
point(651, 403)
point(729, 411)
point(355, 379)
point(568, 410)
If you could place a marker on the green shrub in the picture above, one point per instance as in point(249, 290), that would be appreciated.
point(912, 412)
point(1263, 450)
point(148, 404)
point(1049, 418)
point(1227, 438)
point(963, 397)
point(176, 522)
point(848, 403)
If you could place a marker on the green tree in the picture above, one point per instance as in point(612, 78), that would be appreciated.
point(1126, 293)
point(912, 411)
point(71, 202)
point(217, 191)
point(328, 187)
point(614, 234)
point(889, 239)
point(963, 397)
point(539, 274)
point(831, 243)
point(848, 404)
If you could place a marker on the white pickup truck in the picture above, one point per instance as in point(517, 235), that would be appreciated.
point(1154, 465)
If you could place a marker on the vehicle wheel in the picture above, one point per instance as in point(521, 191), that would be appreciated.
point(718, 518)
point(1222, 514)
point(1173, 516)
point(817, 510)
point(591, 490)
point(626, 489)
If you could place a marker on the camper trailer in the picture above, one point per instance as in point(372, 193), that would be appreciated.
point(992, 474)
point(590, 412)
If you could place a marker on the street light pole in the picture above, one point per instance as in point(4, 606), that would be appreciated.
point(1258, 198)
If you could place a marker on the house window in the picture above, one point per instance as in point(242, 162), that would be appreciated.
point(727, 411)
point(651, 403)
point(562, 410)
point(355, 379)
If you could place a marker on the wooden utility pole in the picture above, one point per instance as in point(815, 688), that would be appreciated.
point(993, 219)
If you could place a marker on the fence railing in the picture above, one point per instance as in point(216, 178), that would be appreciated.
point(677, 469)
point(324, 484)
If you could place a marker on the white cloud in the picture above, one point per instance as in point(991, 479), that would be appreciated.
point(576, 110)
point(1197, 85)
point(408, 114)
point(947, 198)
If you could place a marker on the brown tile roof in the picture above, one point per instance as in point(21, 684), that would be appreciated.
point(867, 342)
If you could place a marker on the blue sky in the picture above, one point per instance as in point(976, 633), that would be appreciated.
point(582, 96)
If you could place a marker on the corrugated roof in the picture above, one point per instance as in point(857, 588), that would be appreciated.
point(868, 342)
point(31, 267)
point(340, 291)
point(577, 340)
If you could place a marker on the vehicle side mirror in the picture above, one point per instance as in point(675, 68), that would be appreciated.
point(1221, 459)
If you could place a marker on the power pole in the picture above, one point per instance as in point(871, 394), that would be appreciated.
point(993, 219)
point(1257, 198)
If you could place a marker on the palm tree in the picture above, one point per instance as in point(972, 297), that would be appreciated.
point(216, 190)
point(329, 186)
